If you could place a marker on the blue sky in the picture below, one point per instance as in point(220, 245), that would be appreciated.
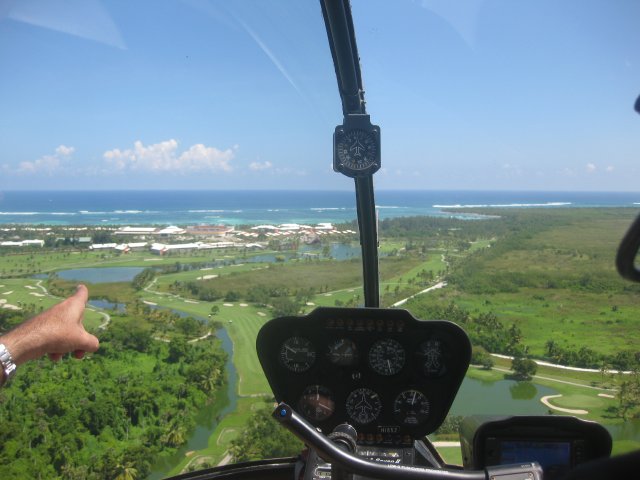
point(476, 94)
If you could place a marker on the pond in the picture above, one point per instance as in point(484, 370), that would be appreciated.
point(503, 397)
point(100, 275)
point(107, 305)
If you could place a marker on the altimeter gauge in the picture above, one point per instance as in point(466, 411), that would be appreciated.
point(411, 407)
point(297, 354)
point(363, 405)
point(356, 147)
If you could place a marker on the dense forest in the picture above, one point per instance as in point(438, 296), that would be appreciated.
point(109, 415)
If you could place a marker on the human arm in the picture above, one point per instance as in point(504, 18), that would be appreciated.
point(56, 331)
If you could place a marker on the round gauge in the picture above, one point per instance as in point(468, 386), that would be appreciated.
point(357, 149)
point(297, 354)
point(316, 403)
point(343, 352)
point(430, 353)
point(363, 405)
point(411, 407)
point(386, 357)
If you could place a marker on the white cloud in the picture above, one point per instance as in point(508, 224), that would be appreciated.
point(591, 167)
point(610, 168)
point(165, 157)
point(257, 166)
point(47, 163)
point(64, 151)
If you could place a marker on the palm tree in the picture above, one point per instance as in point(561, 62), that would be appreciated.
point(126, 472)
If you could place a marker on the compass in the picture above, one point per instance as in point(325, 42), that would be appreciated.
point(356, 147)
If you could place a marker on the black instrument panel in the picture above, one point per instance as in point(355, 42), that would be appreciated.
point(391, 376)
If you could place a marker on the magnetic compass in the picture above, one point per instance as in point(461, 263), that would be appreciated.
point(356, 147)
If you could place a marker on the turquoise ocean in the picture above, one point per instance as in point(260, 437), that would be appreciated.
point(192, 207)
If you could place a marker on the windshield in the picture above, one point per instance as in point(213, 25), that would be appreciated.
point(176, 158)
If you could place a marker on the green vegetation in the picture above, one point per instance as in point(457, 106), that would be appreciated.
point(523, 368)
point(526, 283)
point(118, 409)
point(551, 273)
point(263, 437)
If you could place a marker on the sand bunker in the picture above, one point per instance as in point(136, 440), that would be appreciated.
point(8, 306)
point(546, 399)
point(207, 277)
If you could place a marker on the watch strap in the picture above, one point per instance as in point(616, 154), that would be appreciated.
point(7, 365)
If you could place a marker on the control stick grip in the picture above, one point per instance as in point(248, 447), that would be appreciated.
point(328, 450)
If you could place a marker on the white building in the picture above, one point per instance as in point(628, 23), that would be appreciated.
point(23, 243)
point(135, 231)
point(103, 246)
point(172, 230)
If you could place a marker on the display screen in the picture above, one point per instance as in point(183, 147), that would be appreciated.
point(547, 454)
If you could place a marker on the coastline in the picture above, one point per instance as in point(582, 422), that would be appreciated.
point(252, 207)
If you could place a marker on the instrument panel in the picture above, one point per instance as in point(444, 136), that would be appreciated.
point(392, 376)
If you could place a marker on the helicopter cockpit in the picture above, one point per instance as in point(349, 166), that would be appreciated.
point(365, 385)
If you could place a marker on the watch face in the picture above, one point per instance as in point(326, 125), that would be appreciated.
point(357, 149)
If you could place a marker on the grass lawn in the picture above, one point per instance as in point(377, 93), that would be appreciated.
point(48, 261)
point(197, 275)
point(433, 262)
point(26, 291)
point(243, 332)
point(569, 318)
point(451, 455)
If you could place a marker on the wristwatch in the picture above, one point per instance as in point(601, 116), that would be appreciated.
point(7, 365)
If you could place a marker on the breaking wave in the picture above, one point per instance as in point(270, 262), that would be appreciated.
point(507, 205)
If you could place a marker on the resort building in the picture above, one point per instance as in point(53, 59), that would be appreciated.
point(172, 230)
point(163, 249)
point(103, 246)
point(210, 230)
point(23, 243)
point(135, 231)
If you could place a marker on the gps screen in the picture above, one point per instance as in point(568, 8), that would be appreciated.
point(547, 454)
